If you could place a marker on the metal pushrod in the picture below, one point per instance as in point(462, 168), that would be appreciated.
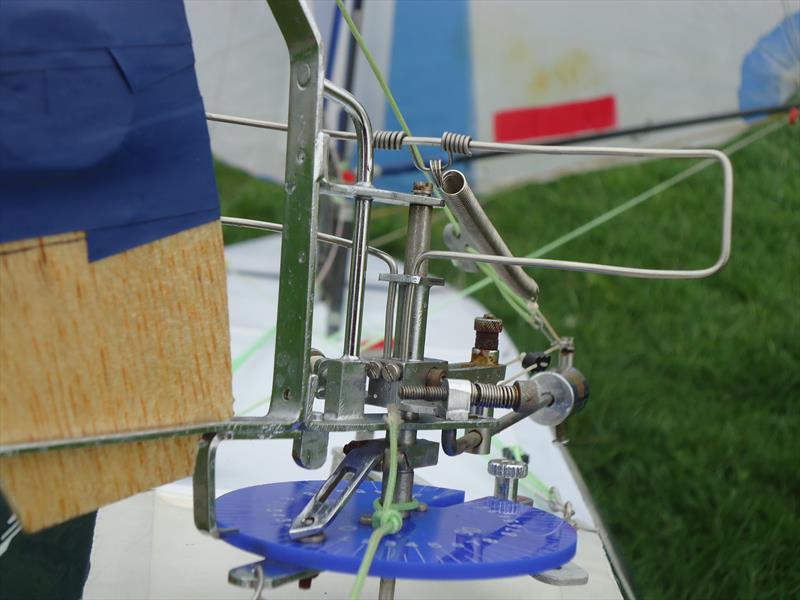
point(388, 329)
point(494, 146)
point(568, 265)
point(358, 256)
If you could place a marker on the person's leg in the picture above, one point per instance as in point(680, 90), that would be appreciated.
point(53, 563)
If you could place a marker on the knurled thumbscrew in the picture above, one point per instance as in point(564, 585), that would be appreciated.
point(507, 474)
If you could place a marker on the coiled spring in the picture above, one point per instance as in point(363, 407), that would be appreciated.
point(495, 396)
point(456, 143)
point(389, 140)
point(452, 143)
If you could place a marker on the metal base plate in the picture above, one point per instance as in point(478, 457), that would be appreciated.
point(453, 539)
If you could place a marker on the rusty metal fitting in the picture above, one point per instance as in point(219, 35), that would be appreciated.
point(422, 188)
point(487, 332)
point(435, 377)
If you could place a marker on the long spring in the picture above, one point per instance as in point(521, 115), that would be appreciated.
point(495, 396)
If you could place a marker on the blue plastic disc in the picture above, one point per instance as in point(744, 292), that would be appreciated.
point(453, 539)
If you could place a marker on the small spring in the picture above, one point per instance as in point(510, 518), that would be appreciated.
point(389, 140)
point(456, 143)
point(496, 396)
point(422, 392)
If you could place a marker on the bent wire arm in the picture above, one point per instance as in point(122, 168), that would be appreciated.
point(345, 243)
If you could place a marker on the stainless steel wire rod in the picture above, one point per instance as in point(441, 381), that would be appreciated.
point(496, 146)
point(388, 330)
point(354, 315)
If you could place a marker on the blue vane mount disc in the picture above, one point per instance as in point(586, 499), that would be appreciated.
point(453, 539)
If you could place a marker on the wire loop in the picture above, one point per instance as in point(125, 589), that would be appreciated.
point(437, 170)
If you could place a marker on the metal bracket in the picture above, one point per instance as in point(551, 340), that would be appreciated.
point(325, 504)
point(385, 196)
point(299, 243)
point(204, 486)
point(566, 574)
point(268, 574)
point(406, 279)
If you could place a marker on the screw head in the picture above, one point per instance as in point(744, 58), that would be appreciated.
point(374, 369)
point(303, 74)
point(508, 469)
point(391, 371)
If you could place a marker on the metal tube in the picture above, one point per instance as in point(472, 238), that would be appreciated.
point(386, 589)
point(388, 319)
point(506, 488)
point(358, 257)
point(415, 301)
point(481, 232)
point(454, 446)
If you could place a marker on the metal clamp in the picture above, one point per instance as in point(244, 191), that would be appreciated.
point(385, 196)
point(405, 279)
point(268, 574)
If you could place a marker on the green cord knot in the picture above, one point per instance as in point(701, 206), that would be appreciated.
point(390, 518)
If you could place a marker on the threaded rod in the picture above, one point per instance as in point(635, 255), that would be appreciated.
point(422, 392)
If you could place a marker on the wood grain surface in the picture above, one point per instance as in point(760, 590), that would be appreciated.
point(135, 341)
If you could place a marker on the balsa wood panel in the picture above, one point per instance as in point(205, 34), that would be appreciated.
point(135, 341)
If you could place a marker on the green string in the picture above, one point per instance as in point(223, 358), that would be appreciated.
point(387, 518)
point(362, 45)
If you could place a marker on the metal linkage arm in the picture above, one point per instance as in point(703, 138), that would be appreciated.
point(338, 241)
point(326, 503)
point(568, 265)
point(363, 204)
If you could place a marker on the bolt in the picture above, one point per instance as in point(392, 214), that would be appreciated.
point(507, 474)
point(392, 371)
point(422, 507)
point(374, 369)
point(365, 519)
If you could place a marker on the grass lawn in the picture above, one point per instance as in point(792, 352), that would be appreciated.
point(689, 442)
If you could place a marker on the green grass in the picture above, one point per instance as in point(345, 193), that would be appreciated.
point(689, 442)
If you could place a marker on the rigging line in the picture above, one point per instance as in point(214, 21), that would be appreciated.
point(376, 71)
point(629, 131)
point(614, 212)
point(398, 114)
